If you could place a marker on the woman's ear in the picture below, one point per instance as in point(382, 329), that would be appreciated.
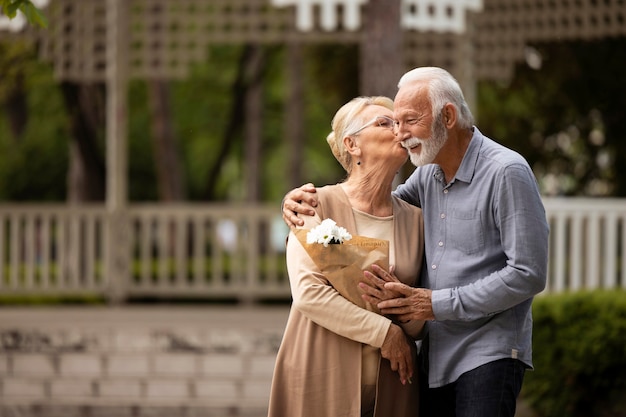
point(351, 146)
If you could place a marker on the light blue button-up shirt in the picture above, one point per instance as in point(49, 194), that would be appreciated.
point(486, 239)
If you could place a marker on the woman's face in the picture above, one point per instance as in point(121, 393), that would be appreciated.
point(380, 148)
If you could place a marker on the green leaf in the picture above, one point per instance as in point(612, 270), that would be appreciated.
point(34, 15)
point(10, 9)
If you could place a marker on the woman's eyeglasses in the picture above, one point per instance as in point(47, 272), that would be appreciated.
point(382, 121)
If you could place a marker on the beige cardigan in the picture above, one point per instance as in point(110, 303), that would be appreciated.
point(318, 366)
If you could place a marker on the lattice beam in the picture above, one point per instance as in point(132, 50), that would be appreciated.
point(167, 36)
point(504, 28)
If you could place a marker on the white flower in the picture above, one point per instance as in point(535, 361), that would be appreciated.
point(328, 233)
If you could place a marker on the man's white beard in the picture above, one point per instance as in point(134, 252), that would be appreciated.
point(429, 147)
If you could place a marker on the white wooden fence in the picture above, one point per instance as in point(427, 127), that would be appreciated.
point(587, 243)
point(237, 252)
point(212, 251)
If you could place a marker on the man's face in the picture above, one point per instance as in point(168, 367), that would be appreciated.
point(422, 136)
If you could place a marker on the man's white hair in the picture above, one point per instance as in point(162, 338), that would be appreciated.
point(443, 88)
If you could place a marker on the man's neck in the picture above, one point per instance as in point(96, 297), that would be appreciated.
point(453, 152)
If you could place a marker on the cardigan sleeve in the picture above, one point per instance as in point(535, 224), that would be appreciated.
point(314, 297)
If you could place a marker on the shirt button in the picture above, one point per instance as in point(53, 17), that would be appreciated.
point(442, 215)
point(440, 243)
point(433, 266)
point(445, 191)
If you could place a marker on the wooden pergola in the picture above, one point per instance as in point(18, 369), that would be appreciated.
point(114, 41)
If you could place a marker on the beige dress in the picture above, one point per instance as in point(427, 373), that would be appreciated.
point(320, 363)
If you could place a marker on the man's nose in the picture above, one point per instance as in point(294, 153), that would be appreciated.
point(400, 133)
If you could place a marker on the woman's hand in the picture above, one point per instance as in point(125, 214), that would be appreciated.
point(373, 285)
point(397, 350)
point(292, 204)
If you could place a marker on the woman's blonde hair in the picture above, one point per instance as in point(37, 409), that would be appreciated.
point(348, 119)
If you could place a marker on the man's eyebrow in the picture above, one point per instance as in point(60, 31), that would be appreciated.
point(409, 113)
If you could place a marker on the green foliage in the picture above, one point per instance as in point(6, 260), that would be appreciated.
point(201, 106)
point(142, 184)
point(579, 353)
point(331, 82)
point(566, 118)
point(33, 166)
point(32, 13)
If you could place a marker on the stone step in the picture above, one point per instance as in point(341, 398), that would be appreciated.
point(188, 362)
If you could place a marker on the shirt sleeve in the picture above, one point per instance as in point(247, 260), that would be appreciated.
point(409, 190)
point(320, 302)
point(521, 223)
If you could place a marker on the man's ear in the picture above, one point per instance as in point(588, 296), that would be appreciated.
point(449, 115)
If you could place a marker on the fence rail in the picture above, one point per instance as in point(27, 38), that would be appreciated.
point(237, 252)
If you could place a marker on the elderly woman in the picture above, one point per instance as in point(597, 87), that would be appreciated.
point(338, 359)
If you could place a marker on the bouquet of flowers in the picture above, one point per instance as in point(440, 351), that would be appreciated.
point(342, 258)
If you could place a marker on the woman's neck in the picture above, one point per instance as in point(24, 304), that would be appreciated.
point(369, 196)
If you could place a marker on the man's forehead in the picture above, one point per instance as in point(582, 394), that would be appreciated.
point(411, 105)
point(402, 110)
point(411, 94)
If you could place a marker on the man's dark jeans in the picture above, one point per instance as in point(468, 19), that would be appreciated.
point(490, 390)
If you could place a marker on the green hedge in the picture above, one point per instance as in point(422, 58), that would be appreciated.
point(579, 353)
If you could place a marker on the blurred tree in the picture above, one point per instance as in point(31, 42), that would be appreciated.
point(167, 161)
point(249, 74)
point(85, 105)
point(381, 48)
point(332, 79)
point(33, 130)
point(565, 116)
point(295, 132)
point(14, 60)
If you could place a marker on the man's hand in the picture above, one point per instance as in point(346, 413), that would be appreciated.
point(292, 204)
point(373, 285)
point(414, 304)
point(397, 350)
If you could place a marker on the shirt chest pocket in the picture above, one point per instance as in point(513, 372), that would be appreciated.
point(466, 231)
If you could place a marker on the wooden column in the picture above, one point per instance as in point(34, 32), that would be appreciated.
point(117, 250)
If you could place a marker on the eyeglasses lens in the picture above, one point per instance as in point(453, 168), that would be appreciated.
point(385, 122)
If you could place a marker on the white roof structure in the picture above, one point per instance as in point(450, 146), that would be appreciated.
point(422, 15)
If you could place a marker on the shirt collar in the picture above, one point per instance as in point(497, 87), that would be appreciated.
point(467, 169)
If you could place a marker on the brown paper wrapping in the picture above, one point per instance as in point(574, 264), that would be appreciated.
point(343, 264)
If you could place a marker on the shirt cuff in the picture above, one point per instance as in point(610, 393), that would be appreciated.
point(442, 304)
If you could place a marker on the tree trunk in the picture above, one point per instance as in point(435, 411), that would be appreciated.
point(381, 53)
point(166, 156)
point(294, 124)
point(254, 126)
point(247, 73)
point(85, 106)
point(16, 107)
